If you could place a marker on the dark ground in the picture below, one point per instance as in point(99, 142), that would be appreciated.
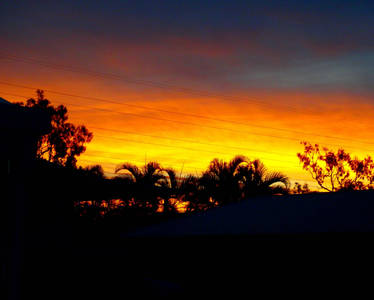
point(104, 263)
point(300, 266)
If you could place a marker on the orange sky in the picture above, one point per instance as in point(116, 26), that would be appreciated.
point(136, 133)
point(275, 73)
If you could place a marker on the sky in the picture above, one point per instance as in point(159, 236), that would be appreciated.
point(183, 82)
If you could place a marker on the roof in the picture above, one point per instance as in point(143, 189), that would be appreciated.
point(16, 117)
point(3, 101)
point(292, 214)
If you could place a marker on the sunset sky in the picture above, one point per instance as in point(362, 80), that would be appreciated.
point(182, 82)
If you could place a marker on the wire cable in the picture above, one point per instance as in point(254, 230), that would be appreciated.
point(187, 114)
point(199, 125)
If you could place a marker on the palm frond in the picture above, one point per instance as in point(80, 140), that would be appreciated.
point(276, 177)
point(216, 166)
point(151, 168)
point(259, 169)
point(172, 177)
point(235, 163)
point(131, 169)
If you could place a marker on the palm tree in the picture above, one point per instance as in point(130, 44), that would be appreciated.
point(189, 193)
point(222, 180)
point(170, 187)
point(146, 182)
point(257, 180)
point(180, 192)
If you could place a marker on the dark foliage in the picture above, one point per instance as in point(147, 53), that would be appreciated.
point(137, 195)
point(66, 141)
point(337, 171)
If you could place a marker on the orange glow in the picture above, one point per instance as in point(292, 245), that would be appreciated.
point(143, 137)
point(180, 206)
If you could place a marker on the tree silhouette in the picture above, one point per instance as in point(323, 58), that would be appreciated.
point(222, 179)
point(146, 184)
point(241, 178)
point(300, 189)
point(335, 171)
point(257, 180)
point(171, 189)
point(190, 192)
point(65, 141)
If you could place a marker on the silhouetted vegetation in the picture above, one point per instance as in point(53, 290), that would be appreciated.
point(66, 141)
point(337, 171)
point(82, 205)
point(241, 178)
point(140, 196)
point(136, 195)
point(147, 194)
point(300, 189)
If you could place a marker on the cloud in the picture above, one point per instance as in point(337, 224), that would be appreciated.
point(211, 44)
point(350, 72)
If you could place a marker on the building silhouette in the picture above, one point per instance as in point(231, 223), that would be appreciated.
point(20, 128)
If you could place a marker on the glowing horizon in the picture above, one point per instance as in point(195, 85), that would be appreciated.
point(278, 74)
point(272, 135)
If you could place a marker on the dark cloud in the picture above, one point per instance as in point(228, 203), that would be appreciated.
point(262, 43)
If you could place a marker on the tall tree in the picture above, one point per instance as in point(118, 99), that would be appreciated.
point(66, 141)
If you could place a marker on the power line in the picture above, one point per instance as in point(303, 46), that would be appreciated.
point(189, 123)
point(184, 148)
point(176, 121)
point(164, 145)
point(154, 118)
point(161, 85)
point(188, 114)
point(184, 122)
